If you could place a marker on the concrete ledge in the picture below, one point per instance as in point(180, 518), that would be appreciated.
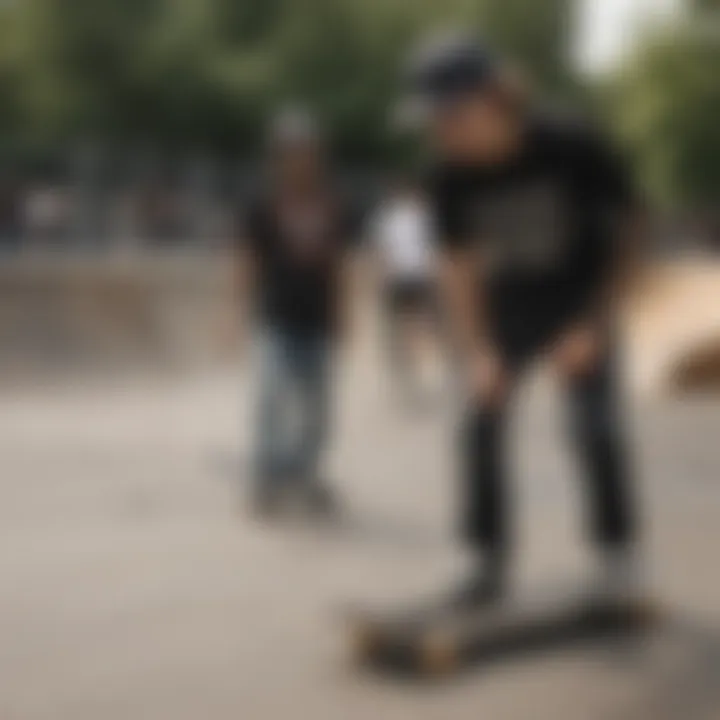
point(61, 314)
point(673, 328)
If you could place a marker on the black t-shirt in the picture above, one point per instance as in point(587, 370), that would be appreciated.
point(298, 251)
point(544, 224)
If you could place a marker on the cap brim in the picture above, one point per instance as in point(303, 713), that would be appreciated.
point(416, 111)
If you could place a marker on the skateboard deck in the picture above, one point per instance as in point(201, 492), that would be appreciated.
point(436, 641)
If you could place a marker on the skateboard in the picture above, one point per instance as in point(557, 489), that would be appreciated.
point(437, 641)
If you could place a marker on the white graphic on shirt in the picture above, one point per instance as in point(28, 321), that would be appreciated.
point(522, 228)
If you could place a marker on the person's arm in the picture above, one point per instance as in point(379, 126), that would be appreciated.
point(607, 181)
point(462, 293)
point(626, 264)
point(352, 271)
point(348, 282)
point(462, 300)
point(375, 264)
point(461, 289)
point(245, 262)
point(244, 282)
point(608, 178)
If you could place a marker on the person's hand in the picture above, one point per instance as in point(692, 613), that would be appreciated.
point(578, 350)
point(343, 338)
point(488, 379)
point(240, 348)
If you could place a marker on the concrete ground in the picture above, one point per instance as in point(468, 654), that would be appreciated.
point(132, 585)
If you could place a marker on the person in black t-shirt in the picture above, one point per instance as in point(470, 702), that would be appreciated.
point(530, 211)
point(294, 256)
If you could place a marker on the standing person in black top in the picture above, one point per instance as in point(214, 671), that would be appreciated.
point(531, 213)
point(294, 258)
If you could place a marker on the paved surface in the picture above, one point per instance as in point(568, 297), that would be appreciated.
point(133, 586)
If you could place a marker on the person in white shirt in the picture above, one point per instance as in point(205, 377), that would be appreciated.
point(402, 233)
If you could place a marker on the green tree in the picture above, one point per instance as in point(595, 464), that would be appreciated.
point(77, 62)
point(667, 104)
point(205, 73)
point(535, 34)
point(10, 81)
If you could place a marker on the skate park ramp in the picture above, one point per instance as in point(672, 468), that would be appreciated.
point(64, 315)
point(673, 329)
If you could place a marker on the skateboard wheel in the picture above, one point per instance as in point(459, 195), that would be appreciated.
point(645, 613)
point(438, 654)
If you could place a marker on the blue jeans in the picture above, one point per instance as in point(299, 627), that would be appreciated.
point(292, 412)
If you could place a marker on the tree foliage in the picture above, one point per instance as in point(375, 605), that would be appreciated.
point(667, 106)
point(207, 72)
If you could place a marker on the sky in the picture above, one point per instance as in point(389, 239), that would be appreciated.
point(609, 28)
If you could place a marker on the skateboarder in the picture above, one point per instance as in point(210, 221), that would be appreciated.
point(533, 214)
point(294, 257)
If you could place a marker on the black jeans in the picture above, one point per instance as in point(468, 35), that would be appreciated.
point(597, 432)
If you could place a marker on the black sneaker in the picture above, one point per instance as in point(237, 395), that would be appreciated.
point(620, 580)
point(266, 503)
point(476, 592)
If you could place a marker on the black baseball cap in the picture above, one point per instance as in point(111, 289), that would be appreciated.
point(446, 68)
